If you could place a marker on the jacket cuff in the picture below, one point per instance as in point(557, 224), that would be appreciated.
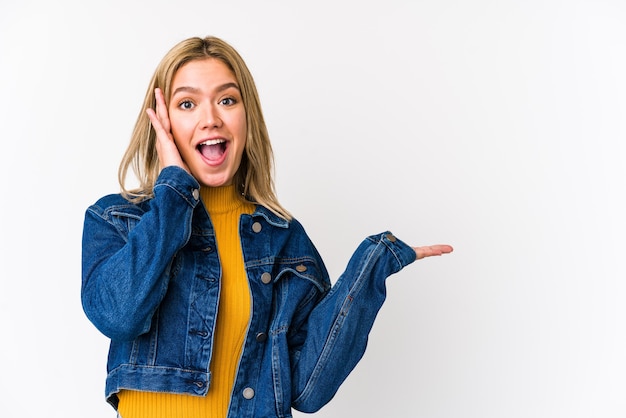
point(177, 179)
point(403, 253)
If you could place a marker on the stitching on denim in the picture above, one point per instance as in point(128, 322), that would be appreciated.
point(178, 192)
point(154, 338)
point(277, 381)
point(391, 249)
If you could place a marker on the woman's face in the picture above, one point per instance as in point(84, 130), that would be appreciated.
point(208, 120)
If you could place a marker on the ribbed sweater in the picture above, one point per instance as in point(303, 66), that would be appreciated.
point(233, 316)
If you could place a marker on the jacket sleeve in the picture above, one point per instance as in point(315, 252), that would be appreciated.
point(338, 327)
point(126, 252)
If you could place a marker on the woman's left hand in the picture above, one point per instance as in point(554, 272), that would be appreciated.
point(432, 250)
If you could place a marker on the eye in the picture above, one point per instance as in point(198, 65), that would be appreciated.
point(228, 101)
point(186, 105)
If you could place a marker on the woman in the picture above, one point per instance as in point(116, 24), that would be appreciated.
point(214, 298)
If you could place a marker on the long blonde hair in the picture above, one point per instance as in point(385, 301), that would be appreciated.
point(254, 178)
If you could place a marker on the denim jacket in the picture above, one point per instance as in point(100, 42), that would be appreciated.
point(151, 283)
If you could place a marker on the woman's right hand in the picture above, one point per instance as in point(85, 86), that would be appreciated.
point(165, 145)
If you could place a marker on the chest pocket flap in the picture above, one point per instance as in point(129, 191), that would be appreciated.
point(303, 268)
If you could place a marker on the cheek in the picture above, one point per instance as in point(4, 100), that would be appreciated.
point(175, 124)
point(243, 135)
point(243, 130)
point(182, 139)
point(181, 129)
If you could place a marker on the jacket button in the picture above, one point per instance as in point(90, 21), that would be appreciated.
point(391, 238)
point(266, 278)
point(256, 227)
point(248, 393)
point(301, 268)
point(196, 194)
point(261, 337)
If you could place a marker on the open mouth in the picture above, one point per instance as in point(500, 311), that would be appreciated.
point(213, 149)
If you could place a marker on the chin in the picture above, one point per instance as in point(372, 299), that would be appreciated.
point(216, 182)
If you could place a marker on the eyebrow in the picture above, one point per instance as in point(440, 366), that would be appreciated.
point(196, 90)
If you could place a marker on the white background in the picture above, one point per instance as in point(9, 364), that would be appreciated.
point(495, 126)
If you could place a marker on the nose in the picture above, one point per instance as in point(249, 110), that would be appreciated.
point(211, 117)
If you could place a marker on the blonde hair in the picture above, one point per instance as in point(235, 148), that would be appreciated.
point(254, 178)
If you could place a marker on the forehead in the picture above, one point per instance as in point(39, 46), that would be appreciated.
point(207, 71)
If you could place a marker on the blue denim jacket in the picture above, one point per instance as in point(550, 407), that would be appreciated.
point(151, 283)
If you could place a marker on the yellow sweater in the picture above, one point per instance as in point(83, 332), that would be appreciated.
point(233, 316)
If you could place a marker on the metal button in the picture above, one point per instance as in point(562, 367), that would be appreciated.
point(266, 277)
point(196, 194)
point(261, 337)
point(301, 268)
point(391, 238)
point(256, 227)
point(248, 393)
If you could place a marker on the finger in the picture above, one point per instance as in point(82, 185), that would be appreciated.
point(161, 133)
point(154, 119)
point(159, 117)
point(166, 148)
point(160, 101)
point(432, 250)
point(164, 116)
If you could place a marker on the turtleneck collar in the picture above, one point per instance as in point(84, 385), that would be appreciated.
point(220, 199)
